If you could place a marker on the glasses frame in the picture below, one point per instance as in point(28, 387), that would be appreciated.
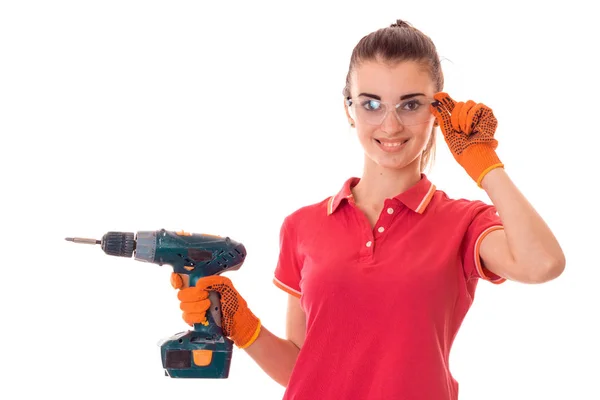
point(350, 103)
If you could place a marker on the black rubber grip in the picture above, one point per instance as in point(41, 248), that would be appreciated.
point(120, 244)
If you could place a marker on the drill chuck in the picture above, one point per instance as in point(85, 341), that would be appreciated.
point(120, 244)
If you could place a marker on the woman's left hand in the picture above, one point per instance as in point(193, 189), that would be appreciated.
point(468, 129)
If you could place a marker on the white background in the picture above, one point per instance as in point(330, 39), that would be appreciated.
point(224, 117)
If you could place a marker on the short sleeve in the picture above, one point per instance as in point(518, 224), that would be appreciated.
point(485, 220)
point(288, 269)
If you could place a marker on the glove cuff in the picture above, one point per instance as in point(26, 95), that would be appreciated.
point(247, 329)
point(478, 160)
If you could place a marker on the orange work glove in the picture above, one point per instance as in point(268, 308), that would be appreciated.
point(468, 129)
point(238, 322)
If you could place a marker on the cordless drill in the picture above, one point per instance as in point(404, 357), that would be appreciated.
point(204, 351)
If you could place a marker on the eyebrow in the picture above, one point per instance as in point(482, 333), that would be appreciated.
point(404, 97)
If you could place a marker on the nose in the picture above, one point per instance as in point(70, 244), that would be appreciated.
point(391, 123)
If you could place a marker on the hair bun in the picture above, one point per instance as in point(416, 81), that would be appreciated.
point(400, 24)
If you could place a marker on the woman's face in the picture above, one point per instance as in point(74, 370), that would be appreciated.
point(390, 111)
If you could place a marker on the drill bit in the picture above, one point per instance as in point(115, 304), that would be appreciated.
point(83, 240)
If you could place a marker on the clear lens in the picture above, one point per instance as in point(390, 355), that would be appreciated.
point(410, 112)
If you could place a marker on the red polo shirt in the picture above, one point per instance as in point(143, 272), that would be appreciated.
point(382, 305)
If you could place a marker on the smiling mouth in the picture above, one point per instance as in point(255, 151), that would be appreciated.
point(392, 145)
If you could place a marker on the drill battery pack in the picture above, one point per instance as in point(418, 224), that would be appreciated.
point(194, 355)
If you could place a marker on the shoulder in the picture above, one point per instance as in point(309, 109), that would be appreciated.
point(308, 214)
point(462, 223)
point(458, 208)
point(312, 217)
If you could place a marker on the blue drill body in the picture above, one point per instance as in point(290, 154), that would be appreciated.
point(204, 351)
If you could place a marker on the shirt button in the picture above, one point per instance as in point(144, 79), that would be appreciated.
point(369, 243)
point(381, 229)
point(390, 210)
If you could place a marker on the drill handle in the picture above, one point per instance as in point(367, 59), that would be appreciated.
point(215, 308)
point(213, 328)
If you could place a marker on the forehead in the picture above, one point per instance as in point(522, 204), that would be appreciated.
point(391, 80)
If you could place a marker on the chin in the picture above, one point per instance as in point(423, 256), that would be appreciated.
point(397, 162)
point(398, 165)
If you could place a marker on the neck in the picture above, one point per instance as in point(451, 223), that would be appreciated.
point(379, 183)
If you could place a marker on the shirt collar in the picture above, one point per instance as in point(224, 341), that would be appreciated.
point(416, 198)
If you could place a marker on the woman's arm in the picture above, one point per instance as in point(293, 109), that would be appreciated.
point(277, 356)
point(526, 250)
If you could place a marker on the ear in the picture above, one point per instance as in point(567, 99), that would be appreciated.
point(350, 120)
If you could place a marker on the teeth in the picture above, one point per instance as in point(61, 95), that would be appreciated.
point(394, 144)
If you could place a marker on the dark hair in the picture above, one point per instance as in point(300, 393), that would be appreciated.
point(400, 42)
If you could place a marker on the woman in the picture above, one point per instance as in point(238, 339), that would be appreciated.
point(381, 275)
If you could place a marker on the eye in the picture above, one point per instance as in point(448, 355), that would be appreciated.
point(411, 105)
point(371, 105)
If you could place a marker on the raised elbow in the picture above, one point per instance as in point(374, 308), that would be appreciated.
point(556, 267)
point(546, 270)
